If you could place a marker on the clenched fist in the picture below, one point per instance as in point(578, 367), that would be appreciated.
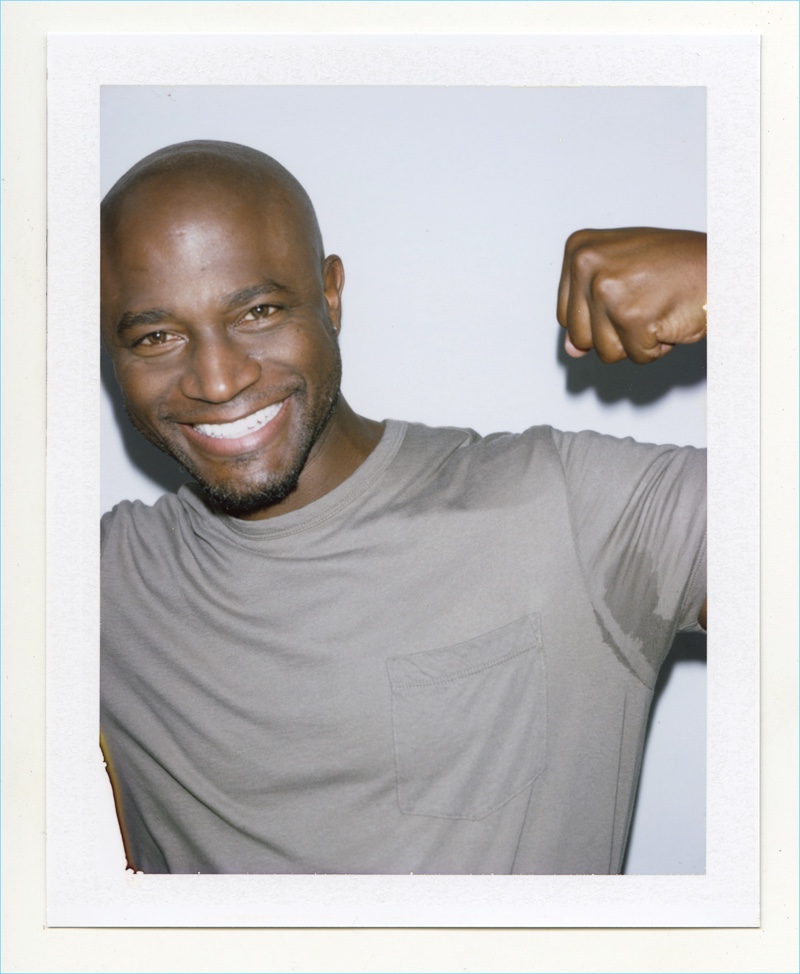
point(632, 293)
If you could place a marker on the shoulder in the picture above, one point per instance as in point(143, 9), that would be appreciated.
point(443, 448)
point(609, 462)
point(570, 445)
point(460, 466)
point(130, 520)
point(465, 443)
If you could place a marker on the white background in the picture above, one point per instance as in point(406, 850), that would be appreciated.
point(450, 207)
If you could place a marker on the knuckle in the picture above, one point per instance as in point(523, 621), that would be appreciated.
point(585, 259)
point(576, 239)
point(608, 289)
point(609, 353)
point(643, 356)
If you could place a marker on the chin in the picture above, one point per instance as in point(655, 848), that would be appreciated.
point(244, 492)
point(245, 502)
point(250, 493)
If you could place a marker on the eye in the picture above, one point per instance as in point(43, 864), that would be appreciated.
point(154, 338)
point(260, 312)
point(154, 342)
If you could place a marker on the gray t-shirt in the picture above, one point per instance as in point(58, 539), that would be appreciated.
point(444, 665)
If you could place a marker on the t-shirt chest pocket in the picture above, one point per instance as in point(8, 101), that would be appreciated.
point(470, 722)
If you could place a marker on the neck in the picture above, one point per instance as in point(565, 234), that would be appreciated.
point(344, 444)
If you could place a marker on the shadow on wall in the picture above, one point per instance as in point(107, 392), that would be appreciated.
point(684, 366)
point(143, 455)
point(687, 648)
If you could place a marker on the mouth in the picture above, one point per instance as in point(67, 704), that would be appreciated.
point(238, 428)
point(249, 434)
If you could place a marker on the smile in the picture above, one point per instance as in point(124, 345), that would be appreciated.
point(240, 427)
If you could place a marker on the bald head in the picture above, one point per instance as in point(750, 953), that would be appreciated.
point(204, 169)
point(221, 316)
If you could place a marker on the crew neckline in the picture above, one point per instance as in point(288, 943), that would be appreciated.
point(329, 504)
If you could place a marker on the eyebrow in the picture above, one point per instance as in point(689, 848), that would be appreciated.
point(157, 316)
point(154, 316)
point(254, 291)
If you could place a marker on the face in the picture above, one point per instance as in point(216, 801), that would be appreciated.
point(222, 323)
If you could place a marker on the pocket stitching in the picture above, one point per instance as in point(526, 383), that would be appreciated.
point(476, 816)
point(460, 676)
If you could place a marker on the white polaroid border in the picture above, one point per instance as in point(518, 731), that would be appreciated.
point(85, 886)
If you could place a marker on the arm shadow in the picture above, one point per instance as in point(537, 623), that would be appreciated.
point(154, 464)
point(687, 647)
point(685, 365)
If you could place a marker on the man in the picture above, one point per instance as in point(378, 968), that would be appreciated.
point(371, 647)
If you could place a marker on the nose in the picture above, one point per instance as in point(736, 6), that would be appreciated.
point(218, 371)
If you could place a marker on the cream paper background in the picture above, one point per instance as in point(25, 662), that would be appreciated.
point(78, 65)
point(31, 946)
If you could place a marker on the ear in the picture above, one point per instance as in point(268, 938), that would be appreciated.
point(333, 285)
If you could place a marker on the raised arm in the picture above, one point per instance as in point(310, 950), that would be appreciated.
point(635, 293)
point(632, 293)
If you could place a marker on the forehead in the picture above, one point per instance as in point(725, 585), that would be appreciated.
point(172, 209)
point(175, 243)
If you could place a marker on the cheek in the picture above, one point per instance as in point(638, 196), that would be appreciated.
point(309, 352)
point(323, 362)
point(143, 390)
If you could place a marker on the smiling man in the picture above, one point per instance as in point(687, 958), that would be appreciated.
point(354, 646)
point(234, 373)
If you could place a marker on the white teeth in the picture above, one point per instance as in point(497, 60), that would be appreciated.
point(240, 427)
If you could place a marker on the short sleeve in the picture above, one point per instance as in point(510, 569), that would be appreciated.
point(638, 515)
